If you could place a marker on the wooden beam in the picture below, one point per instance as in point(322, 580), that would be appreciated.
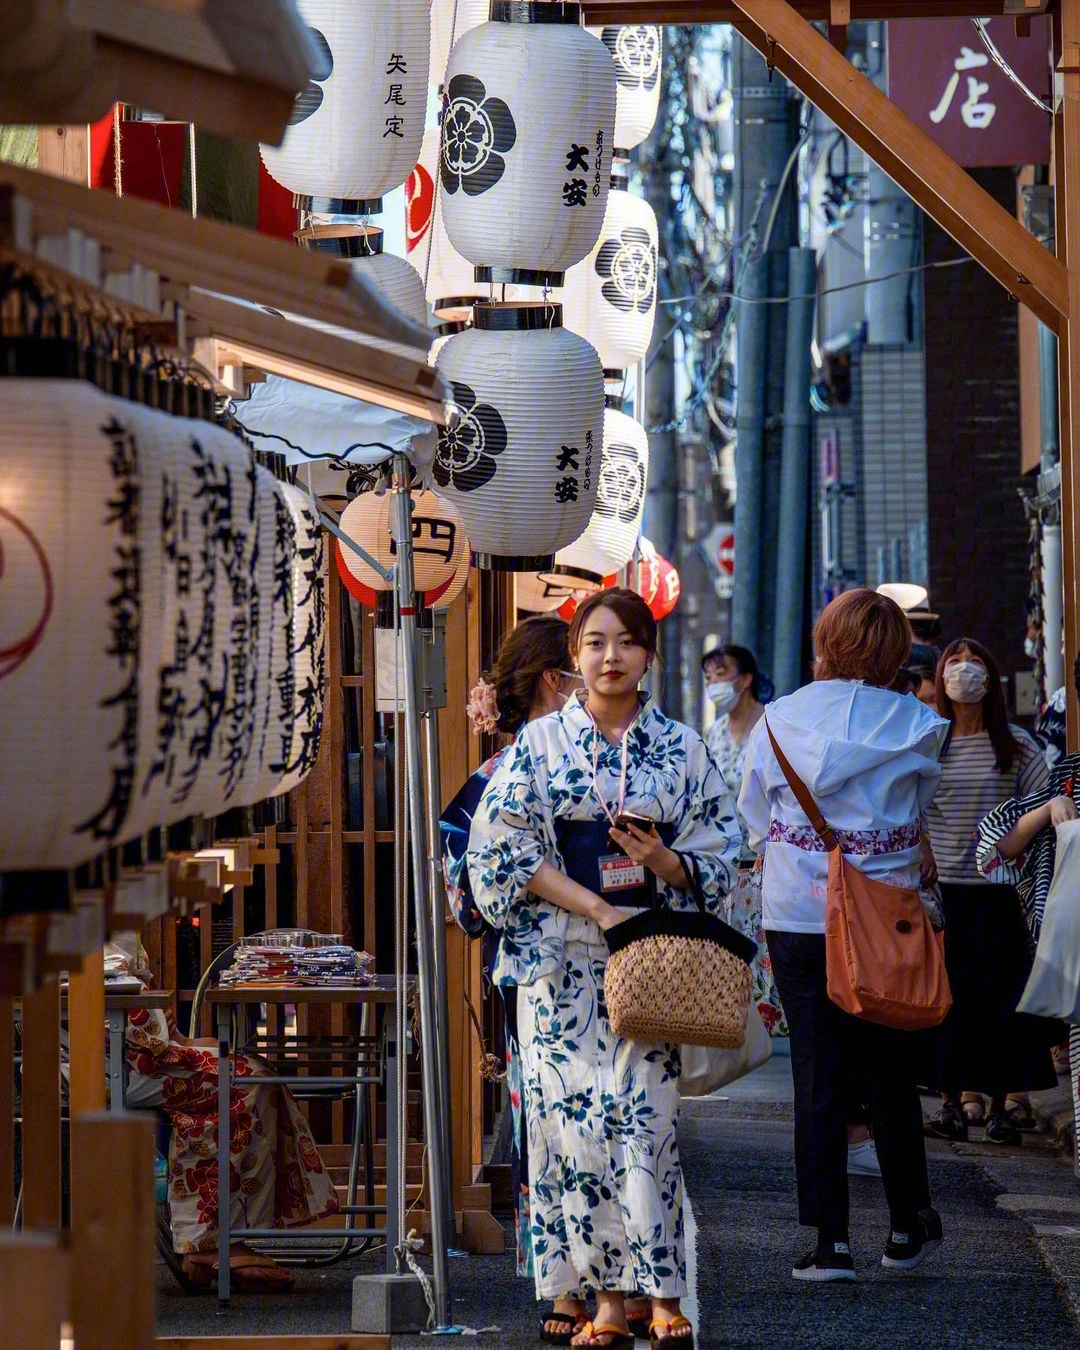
point(217, 257)
point(358, 369)
point(813, 11)
point(921, 168)
point(42, 1170)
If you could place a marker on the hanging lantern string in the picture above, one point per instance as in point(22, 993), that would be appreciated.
point(118, 159)
point(194, 172)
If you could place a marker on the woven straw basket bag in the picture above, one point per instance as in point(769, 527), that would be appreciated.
point(679, 978)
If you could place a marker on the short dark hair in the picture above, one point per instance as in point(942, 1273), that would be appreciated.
point(631, 609)
point(761, 687)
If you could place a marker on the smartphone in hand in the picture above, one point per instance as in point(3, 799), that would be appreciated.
point(625, 819)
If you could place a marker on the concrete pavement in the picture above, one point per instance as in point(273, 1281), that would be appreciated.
point(1007, 1275)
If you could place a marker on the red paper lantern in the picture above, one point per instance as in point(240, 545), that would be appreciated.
point(647, 582)
point(367, 595)
point(667, 591)
point(568, 608)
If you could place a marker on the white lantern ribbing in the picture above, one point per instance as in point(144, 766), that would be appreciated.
point(527, 125)
point(307, 576)
point(522, 462)
point(451, 20)
point(609, 540)
point(396, 279)
point(439, 542)
point(355, 131)
point(450, 285)
point(636, 50)
point(610, 298)
point(69, 622)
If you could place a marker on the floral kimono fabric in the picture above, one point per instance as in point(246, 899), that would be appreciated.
point(276, 1177)
point(605, 1181)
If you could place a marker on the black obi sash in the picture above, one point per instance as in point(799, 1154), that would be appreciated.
point(582, 843)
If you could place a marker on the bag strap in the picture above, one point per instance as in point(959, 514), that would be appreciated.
point(803, 795)
point(693, 875)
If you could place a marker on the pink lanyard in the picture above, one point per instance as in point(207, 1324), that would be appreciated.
point(622, 773)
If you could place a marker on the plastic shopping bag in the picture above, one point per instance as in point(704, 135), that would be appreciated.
point(1053, 987)
point(706, 1069)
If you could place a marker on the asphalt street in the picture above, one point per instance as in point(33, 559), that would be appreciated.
point(1007, 1274)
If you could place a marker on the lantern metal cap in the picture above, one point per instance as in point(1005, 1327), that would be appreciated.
point(559, 571)
point(344, 241)
point(516, 316)
point(454, 308)
point(615, 401)
point(491, 562)
point(337, 206)
point(612, 373)
point(534, 11)
point(620, 182)
point(384, 611)
point(517, 276)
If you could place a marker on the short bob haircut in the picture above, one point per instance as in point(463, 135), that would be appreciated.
point(631, 609)
point(861, 636)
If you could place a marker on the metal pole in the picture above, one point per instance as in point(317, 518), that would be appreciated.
point(401, 514)
point(440, 1000)
point(795, 494)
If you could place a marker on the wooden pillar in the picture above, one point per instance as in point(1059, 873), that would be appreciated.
point(112, 1231)
point(34, 1274)
point(1067, 202)
point(41, 1107)
point(86, 1034)
point(7, 1114)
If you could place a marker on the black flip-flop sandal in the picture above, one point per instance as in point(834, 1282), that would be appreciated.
point(638, 1324)
point(573, 1322)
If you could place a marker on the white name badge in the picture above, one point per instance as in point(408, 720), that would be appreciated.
point(620, 873)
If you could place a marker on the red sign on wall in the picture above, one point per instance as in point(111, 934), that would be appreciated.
point(944, 77)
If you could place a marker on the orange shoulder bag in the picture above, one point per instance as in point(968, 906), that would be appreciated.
point(883, 960)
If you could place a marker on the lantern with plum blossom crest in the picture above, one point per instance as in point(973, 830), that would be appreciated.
point(522, 461)
point(636, 50)
point(527, 123)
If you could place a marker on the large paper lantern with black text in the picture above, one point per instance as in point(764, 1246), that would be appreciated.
point(71, 606)
point(610, 297)
point(540, 592)
point(527, 122)
point(609, 539)
point(355, 130)
point(522, 461)
point(304, 571)
point(636, 50)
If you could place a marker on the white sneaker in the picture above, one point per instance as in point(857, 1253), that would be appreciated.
point(862, 1160)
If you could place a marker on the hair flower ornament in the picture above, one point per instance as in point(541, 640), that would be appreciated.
point(483, 708)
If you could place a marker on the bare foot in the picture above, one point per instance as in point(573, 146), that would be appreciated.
point(667, 1310)
point(571, 1306)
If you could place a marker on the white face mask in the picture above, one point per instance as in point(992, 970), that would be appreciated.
point(966, 682)
point(1030, 648)
point(723, 695)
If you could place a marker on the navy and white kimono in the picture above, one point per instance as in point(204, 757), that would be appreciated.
point(604, 1173)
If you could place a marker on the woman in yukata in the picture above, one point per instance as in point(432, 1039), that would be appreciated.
point(548, 865)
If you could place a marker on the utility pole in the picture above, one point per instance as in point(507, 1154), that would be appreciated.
point(765, 144)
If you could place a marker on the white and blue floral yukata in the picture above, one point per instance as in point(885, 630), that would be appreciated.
point(604, 1174)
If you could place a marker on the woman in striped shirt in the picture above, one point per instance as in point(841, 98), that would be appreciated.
point(984, 1045)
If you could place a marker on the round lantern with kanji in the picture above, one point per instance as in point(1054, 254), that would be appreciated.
point(440, 547)
point(668, 589)
point(522, 461)
point(355, 129)
point(527, 125)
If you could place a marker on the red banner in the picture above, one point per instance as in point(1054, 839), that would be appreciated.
point(944, 77)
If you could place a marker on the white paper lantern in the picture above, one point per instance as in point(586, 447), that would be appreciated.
point(439, 542)
point(540, 593)
point(450, 20)
point(522, 462)
point(527, 125)
point(396, 279)
point(450, 285)
point(609, 539)
point(355, 131)
point(69, 622)
point(610, 298)
point(637, 50)
point(308, 578)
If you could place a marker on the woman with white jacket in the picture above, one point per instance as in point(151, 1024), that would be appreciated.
point(870, 759)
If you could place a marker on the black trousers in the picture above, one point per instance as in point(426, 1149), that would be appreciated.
point(835, 1059)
